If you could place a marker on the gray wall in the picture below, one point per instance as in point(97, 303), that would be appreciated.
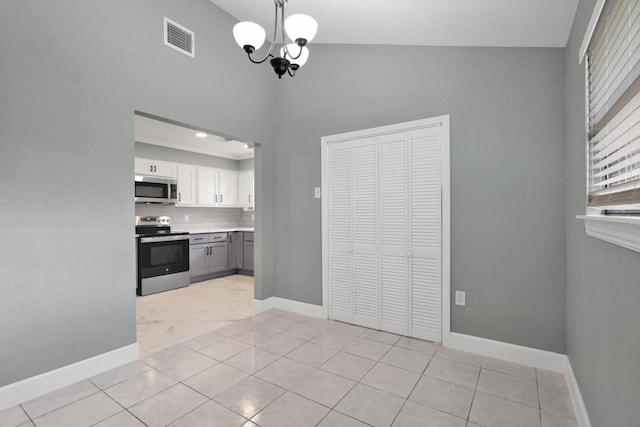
point(603, 280)
point(506, 107)
point(158, 152)
point(71, 76)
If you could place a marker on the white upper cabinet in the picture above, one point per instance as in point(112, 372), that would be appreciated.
point(157, 168)
point(246, 188)
point(186, 185)
point(216, 187)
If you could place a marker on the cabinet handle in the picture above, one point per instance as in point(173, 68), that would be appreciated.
point(249, 198)
point(179, 196)
point(221, 198)
point(150, 168)
point(216, 196)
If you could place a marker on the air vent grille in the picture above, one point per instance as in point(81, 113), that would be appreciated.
point(179, 38)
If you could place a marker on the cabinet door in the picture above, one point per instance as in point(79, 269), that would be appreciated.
point(248, 255)
point(198, 259)
point(186, 185)
point(218, 258)
point(236, 248)
point(228, 187)
point(143, 167)
point(206, 186)
point(164, 169)
point(246, 188)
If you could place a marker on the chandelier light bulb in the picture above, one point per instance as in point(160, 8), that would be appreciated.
point(301, 27)
point(249, 34)
point(294, 50)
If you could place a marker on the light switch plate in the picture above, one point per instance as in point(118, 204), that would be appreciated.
point(461, 298)
point(316, 192)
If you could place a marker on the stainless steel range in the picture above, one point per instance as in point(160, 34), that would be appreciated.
point(163, 256)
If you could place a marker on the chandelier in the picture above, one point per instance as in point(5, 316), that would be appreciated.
point(299, 28)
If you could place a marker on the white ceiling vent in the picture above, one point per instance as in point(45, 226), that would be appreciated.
point(179, 38)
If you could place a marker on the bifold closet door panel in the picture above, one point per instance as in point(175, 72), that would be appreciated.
point(394, 278)
point(365, 232)
point(425, 225)
point(339, 239)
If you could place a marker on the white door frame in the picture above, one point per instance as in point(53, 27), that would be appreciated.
point(443, 121)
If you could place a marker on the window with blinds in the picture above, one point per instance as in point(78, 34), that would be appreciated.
point(613, 81)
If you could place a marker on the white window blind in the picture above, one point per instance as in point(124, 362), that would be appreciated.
point(614, 109)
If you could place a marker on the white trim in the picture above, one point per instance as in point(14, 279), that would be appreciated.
point(621, 231)
point(30, 388)
point(597, 10)
point(298, 307)
point(582, 417)
point(510, 352)
point(444, 122)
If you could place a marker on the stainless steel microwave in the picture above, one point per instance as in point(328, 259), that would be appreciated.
point(155, 190)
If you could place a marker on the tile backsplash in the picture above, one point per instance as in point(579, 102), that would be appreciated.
point(215, 217)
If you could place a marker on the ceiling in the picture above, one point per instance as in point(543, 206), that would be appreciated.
point(525, 23)
point(169, 135)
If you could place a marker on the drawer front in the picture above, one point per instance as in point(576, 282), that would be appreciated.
point(217, 237)
point(248, 236)
point(194, 239)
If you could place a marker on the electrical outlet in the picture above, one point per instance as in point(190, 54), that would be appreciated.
point(316, 192)
point(186, 219)
point(461, 298)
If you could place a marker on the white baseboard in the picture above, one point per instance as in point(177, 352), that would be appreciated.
point(290, 305)
point(576, 397)
point(525, 356)
point(30, 388)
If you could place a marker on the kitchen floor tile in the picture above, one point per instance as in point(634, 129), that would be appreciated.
point(391, 379)
point(117, 375)
point(303, 332)
point(548, 379)
point(59, 398)
point(381, 336)
point(84, 412)
point(556, 400)
point(281, 344)
point(334, 339)
point(371, 406)
point(252, 359)
point(13, 416)
point(522, 371)
point(336, 419)
point(413, 414)
point(224, 349)
point(459, 356)
point(121, 419)
point(163, 356)
point(211, 414)
point(249, 396)
point(443, 396)
point(202, 340)
point(291, 410)
point(553, 420)
point(453, 372)
point(27, 424)
point(324, 387)
point(285, 372)
point(254, 336)
point(348, 366)
point(167, 406)
point(415, 344)
point(216, 379)
point(509, 387)
point(312, 354)
point(186, 366)
point(278, 324)
point(496, 412)
point(366, 348)
point(346, 328)
point(406, 359)
point(140, 387)
point(321, 323)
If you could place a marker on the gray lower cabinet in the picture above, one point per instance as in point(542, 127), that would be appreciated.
point(210, 257)
point(248, 251)
point(236, 250)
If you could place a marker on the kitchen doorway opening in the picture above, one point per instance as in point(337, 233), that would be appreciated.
point(210, 205)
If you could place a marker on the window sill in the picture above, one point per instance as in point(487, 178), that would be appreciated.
point(621, 231)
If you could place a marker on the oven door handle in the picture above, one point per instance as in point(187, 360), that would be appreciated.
point(163, 238)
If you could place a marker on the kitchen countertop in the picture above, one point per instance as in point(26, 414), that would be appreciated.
point(196, 229)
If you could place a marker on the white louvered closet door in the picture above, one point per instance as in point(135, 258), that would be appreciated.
point(365, 232)
point(339, 239)
point(425, 234)
point(394, 246)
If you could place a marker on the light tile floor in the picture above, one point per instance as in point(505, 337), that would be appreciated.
point(279, 369)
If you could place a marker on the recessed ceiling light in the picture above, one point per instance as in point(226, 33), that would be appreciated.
point(201, 134)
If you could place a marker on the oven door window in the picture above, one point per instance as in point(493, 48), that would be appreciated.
point(158, 258)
